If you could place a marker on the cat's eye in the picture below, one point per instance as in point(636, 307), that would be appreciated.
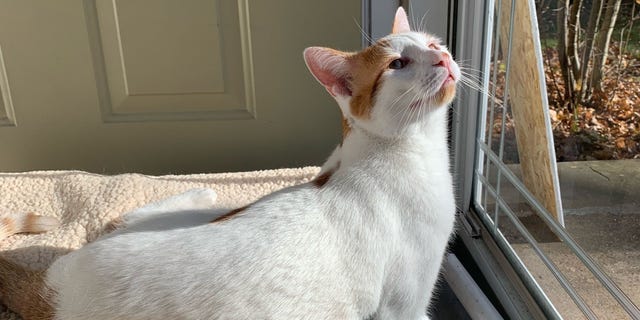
point(433, 46)
point(398, 63)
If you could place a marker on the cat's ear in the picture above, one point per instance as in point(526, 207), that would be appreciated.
point(330, 68)
point(401, 22)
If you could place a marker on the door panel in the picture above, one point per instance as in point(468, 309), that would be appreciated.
point(165, 86)
point(6, 106)
point(172, 62)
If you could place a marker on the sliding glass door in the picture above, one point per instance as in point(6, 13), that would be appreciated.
point(570, 230)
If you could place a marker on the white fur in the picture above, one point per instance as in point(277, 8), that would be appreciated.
point(194, 199)
point(367, 244)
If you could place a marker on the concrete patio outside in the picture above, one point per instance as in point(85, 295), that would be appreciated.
point(601, 201)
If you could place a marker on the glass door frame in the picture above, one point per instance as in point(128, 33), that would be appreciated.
point(472, 24)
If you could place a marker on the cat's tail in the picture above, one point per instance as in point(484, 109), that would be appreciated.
point(29, 222)
point(22, 290)
point(25, 291)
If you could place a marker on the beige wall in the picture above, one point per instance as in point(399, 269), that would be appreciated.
point(167, 86)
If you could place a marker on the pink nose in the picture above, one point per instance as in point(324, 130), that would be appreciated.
point(442, 61)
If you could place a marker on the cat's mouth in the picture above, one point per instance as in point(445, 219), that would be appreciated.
point(449, 80)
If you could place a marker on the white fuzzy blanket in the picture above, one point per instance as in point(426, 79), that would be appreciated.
point(85, 203)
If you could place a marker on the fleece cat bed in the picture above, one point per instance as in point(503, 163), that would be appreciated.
point(87, 203)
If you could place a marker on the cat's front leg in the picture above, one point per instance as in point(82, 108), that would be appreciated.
point(194, 199)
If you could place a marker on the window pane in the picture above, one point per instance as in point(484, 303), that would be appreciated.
point(587, 264)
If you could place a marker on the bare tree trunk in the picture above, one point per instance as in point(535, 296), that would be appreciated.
point(573, 33)
point(562, 47)
point(594, 17)
point(602, 42)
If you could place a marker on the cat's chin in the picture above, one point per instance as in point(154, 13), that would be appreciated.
point(443, 97)
point(446, 94)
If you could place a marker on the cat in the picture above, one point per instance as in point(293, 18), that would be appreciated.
point(364, 240)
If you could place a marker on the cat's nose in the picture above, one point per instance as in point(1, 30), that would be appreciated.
point(442, 60)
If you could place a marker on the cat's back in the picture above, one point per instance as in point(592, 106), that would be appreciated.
point(278, 257)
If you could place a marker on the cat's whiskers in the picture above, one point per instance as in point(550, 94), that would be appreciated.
point(462, 61)
point(420, 27)
point(401, 113)
point(423, 26)
point(471, 76)
point(425, 105)
point(462, 64)
point(425, 98)
point(407, 110)
point(412, 111)
point(364, 34)
point(422, 98)
point(394, 104)
point(433, 86)
point(470, 82)
point(477, 74)
point(420, 106)
point(474, 86)
point(404, 113)
point(469, 73)
point(473, 81)
point(413, 16)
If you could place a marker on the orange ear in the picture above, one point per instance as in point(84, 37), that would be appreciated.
point(401, 22)
point(330, 68)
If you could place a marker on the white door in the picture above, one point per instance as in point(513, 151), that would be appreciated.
point(167, 86)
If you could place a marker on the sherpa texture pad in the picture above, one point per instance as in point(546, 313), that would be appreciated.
point(86, 203)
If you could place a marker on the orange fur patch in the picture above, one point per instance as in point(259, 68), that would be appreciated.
point(322, 179)
point(30, 222)
point(8, 225)
point(229, 215)
point(445, 95)
point(35, 223)
point(346, 128)
point(113, 225)
point(367, 68)
point(25, 291)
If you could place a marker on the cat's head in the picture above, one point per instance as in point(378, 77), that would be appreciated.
point(393, 84)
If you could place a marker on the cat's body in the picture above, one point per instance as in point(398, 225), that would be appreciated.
point(363, 240)
point(347, 255)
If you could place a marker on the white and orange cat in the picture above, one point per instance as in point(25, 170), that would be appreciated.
point(364, 240)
